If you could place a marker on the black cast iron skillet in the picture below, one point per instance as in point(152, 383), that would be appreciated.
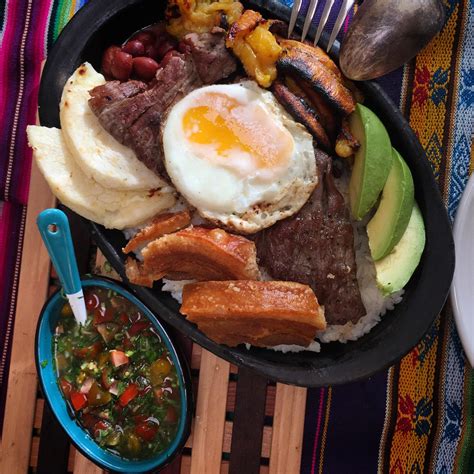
point(101, 23)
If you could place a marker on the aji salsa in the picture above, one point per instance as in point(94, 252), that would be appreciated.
point(117, 376)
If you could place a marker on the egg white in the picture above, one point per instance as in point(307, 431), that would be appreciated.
point(249, 202)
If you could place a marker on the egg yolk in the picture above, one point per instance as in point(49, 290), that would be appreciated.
point(234, 130)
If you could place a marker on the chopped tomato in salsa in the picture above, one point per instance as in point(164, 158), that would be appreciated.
point(110, 371)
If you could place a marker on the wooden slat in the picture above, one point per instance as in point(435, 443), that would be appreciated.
point(248, 423)
point(227, 439)
point(83, 466)
point(38, 413)
point(32, 290)
point(210, 414)
point(53, 451)
point(72, 458)
point(185, 464)
point(34, 451)
point(270, 401)
point(288, 425)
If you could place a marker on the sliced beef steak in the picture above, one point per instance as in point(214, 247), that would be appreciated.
point(133, 112)
point(213, 61)
point(112, 92)
point(316, 247)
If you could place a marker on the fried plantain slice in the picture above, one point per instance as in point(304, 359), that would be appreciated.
point(262, 313)
point(346, 143)
point(247, 22)
point(196, 253)
point(256, 47)
point(302, 112)
point(315, 67)
point(329, 118)
point(312, 51)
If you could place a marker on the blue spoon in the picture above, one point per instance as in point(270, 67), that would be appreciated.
point(54, 229)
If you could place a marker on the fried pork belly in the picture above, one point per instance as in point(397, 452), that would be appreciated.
point(262, 313)
point(161, 225)
point(346, 143)
point(316, 67)
point(195, 253)
point(302, 112)
point(256, 47)
point(200, 16)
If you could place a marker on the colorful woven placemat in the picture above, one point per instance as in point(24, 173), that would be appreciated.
point(415, 417)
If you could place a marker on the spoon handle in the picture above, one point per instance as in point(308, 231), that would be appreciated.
point(54, 228)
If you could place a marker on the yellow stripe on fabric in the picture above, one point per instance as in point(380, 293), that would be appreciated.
point(439, 410)
point(418, 368)
point(72, 8)
point(432, 76)
point(325, 430)
point(386, 423)
point(415, 409)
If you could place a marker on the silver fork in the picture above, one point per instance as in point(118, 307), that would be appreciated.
point(345, 7)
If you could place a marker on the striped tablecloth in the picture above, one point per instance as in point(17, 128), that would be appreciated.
point(415, 417)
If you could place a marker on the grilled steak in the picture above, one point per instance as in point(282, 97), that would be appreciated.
point(133, 112)
point(113, 91)
point(211, 58)
point(316, 247)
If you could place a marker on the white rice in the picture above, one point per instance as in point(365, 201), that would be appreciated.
point(175, 287)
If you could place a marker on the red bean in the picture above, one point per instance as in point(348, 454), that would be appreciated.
point(108, 59)
point(165, 46)
point(122, 66)
point(134, 47)
point(145, 68)
point(145, 37)
point(152, 51)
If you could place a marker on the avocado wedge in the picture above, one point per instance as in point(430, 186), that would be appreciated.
point(395, 270)
point(372, 162)
point(390, 221)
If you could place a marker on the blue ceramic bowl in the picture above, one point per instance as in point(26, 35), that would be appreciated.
point(80, 438)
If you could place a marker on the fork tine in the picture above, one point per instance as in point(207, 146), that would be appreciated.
point(346, 6)
point(309, 18)
point(323, 20)
point(294, 15)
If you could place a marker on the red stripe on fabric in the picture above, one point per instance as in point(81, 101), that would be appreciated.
point(318, 427)
point(9, 82)
point(35, 53)
point(4, 227)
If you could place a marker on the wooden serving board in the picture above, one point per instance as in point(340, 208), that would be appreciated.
point(242, 423)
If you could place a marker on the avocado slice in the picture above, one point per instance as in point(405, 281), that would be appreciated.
point(394, 270)
point(390, 221)
point(372, 161)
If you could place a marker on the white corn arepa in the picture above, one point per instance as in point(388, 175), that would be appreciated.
point(99, 154)
point(112, 208)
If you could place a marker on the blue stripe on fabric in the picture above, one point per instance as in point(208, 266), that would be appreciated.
point(464, 118)
point(452, 408)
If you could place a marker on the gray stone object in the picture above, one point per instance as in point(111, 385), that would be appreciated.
point(385, 34)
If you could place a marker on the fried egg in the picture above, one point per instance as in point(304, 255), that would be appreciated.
point(236, 155)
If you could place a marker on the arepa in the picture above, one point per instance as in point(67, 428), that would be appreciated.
point(99, 154)
point(111, 208)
